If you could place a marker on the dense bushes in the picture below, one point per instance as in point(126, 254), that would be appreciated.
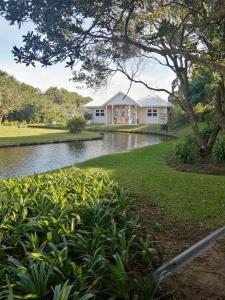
point(219, 150)
point(177, 119)
point(88, 116)
point(71, 234)
point(186, 150)
point(76, 124)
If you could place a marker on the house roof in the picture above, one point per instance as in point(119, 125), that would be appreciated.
point(154, 101)
point(149, 101)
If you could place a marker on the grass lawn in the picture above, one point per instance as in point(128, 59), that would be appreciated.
point(127, 128)
point(185, 196)
point(14, 135)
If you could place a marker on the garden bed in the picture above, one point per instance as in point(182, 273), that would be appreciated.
point(203, 166)
point(72, 233)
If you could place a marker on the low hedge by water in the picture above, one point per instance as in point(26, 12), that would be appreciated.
point(71, 235)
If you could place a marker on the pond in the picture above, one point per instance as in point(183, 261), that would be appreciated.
point(29, 160)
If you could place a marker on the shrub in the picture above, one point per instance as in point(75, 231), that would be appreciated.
point(76, 124)
point(177, 119)
point(72, 233)
point(219, 150)
point(186, 150)
point(87, 116)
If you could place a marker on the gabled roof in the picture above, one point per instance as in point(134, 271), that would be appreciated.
point(149, 101)
point(102, 102)
point(123, 97)
point(154, 101)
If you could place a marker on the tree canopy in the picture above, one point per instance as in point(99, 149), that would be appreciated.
point(98, 33)
point(20, 101)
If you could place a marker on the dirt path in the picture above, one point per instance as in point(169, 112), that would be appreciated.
point(204, 278)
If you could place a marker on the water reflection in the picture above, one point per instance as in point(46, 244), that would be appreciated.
point(28, 160)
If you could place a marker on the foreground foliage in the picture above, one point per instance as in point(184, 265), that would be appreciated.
point(70, 235)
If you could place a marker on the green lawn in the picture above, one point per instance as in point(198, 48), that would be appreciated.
point(127, 128)
point(185, 196)
point(14, 135)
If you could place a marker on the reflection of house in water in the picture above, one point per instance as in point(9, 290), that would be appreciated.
point(122, 109)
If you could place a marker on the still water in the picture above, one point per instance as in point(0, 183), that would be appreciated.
point(28, 160)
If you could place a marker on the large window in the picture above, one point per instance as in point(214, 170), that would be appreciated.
point(99, 112)
point(152, 112)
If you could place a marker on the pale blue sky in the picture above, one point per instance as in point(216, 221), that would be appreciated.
point(154, 74)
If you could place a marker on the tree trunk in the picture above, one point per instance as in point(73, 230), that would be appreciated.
point(212, 138)
point(219, 103)
point(189, 109)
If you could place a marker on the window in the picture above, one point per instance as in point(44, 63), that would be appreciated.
point(152, 112)
point(100, 112)
point(155, 112)
point(149, 113)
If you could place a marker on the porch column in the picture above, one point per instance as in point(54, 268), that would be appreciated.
point(112, 116)
point(136, 114)
point(129, 120)
point(106, 115)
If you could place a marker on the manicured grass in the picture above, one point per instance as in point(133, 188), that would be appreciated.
point(127, 128)
point(186, 196)
point(14, 135)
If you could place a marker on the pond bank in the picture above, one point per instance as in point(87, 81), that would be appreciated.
point(52, 142)
point(142, 129)
point(15, 136)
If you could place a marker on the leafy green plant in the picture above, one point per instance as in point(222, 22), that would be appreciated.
point(76, 124)
point(87, 116)
point(219, 150)
point(186, 150)
point(71, 235)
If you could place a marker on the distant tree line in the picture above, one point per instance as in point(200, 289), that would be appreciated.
point(23, 102)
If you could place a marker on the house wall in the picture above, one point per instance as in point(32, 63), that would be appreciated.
point(96, 119)
point(161, 118)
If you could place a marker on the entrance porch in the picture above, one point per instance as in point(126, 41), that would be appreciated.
point(121, 114)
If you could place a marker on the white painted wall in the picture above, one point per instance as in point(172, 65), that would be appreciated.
point(162, 115)
point(98, 119)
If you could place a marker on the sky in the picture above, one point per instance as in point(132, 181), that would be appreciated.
point(153, 74)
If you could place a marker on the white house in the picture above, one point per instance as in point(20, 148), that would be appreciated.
point(122, 109)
